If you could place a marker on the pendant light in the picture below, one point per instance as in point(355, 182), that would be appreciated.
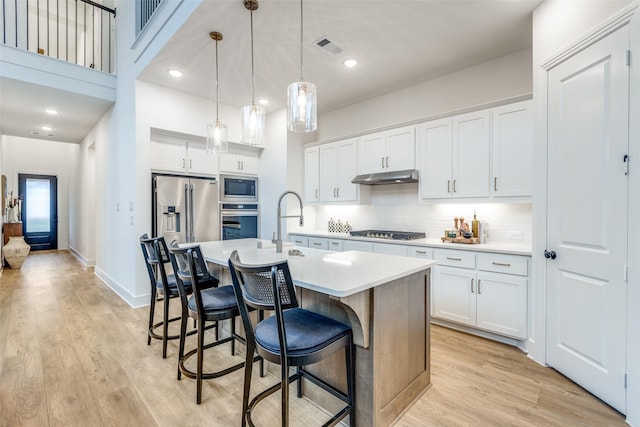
point(217, 136)
point(302, 103)
point(253, 116)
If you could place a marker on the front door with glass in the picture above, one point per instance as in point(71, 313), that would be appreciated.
point(39, 210)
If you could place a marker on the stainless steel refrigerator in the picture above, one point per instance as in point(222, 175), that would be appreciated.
point(185, 208)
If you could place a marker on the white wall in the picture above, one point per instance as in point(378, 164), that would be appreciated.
point(557, 25)
point(33, 156)
point(499, 79)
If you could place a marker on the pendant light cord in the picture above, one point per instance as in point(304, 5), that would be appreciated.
point(217, 90)
point(253, 98)
point(301, 33)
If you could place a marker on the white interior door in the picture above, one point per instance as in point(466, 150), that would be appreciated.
point(587, 217)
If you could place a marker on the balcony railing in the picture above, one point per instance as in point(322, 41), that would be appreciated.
point(77, 31)
point(144, 12)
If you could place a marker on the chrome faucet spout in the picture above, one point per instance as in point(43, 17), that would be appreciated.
point(278, 239)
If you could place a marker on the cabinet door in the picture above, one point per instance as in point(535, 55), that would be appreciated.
point(229, 162)
point(347, 170)
point(328, 172)
point(401, 144)
point(312, 174)
point(453, 295)
point(471, 144)
point(200, 162)
point(168, 155)
point(502, 304)
point(248, 163)
point(372, 153)
point(512, 145)
point(318, 243)
point(434, 159)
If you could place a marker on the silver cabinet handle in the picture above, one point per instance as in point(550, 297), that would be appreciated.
point(189, 163)
point(387, 161)
point(449, 186)
point(471, 285)
point(338, 192)
point(242, 164)
point(421, 252)
point(502, 264)
point(495, 183)
point(298, 241)
point(316, 193)
point(479, 293)
point(454, 259)
point(335, 243)
point(238, 164)
point(382, 162)
point(317, 244)
point(183, 163)
point(454, 185)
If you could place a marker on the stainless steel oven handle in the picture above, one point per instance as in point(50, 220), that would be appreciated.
point(238, 213)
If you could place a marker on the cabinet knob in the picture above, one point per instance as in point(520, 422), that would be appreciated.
point(549, 254)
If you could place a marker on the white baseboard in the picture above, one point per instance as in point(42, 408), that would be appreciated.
point(478, 332)
point(133, 301)
point(86, 262)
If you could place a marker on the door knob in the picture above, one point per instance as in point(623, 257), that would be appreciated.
point(549, 254)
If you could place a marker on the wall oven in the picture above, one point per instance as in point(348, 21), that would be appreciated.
point(238, 189)
point(239, 220)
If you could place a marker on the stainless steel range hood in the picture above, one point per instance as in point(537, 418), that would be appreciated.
point(397, 177)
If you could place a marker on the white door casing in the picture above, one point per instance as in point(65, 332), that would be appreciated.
point(587, 210)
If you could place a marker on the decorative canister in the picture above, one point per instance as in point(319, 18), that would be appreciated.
point(332, 225)
point(16, 251)
point(347, 227)
point(339, 227)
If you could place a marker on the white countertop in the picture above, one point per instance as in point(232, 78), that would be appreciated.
point(505, 248)
point(339, 274)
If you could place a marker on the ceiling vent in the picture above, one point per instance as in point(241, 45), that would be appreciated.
point(328, 46)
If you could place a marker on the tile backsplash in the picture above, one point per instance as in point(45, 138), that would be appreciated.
point(396, 207)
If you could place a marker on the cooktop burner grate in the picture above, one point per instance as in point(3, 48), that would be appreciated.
point(386, 234)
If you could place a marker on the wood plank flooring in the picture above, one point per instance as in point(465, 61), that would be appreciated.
point(73, 353)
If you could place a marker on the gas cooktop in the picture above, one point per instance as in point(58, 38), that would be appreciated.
point(385, 234)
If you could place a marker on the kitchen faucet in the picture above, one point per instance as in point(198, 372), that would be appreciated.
point(278, 240)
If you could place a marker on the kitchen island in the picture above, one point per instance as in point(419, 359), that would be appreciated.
point(384, 298)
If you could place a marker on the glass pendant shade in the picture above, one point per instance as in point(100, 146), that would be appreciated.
point(253, 122)
point(217, 138)
point(302, 107)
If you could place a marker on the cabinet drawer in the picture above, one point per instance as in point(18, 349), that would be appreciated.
point(510, 264)
point(335, 245)
point(299, 240)
point(417, 252)
point(318, 243)
point(452, 258)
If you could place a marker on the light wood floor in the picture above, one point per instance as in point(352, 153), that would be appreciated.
point(73, 353)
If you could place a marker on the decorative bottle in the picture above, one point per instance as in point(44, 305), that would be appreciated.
point(475, 226)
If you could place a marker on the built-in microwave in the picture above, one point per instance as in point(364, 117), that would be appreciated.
point(238, 189)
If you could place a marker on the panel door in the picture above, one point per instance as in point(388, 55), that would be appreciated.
point(168, 155)
point(401, 145)
point(434, 159)
point(512, 150)
point(347, 170)
point(312, 174)
point(587, 217)
point(229, 162)
point(501, 304)
point(471, 148)
point(249, 162)
point(200, 162)
point(371, 153)
point(453, 295)
point(328, 172)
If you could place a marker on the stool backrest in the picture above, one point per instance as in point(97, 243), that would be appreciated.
point(151, 247)
point(185, 266)
point(262, 287)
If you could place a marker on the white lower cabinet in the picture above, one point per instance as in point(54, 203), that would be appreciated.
point(490, 294)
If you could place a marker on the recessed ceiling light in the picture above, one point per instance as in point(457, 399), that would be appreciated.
point(263, 101)
point(350, 63)
point(175, 73)
point(47, 128)
point(50, 111)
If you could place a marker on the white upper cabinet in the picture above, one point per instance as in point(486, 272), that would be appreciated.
point(312, 174)
point(454, 156)
point(337, 169)
point(182, 156)
point(471, 148)
point(512, 146)
point(239, 161)
point(387, 151)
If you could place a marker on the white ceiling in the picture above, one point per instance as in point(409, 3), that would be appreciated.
point(397, 43)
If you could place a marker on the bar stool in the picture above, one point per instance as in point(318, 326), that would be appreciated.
point(154, 251)
point(206, 304)
point(292, 337)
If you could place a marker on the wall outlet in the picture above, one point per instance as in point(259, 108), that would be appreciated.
point(515, 235)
